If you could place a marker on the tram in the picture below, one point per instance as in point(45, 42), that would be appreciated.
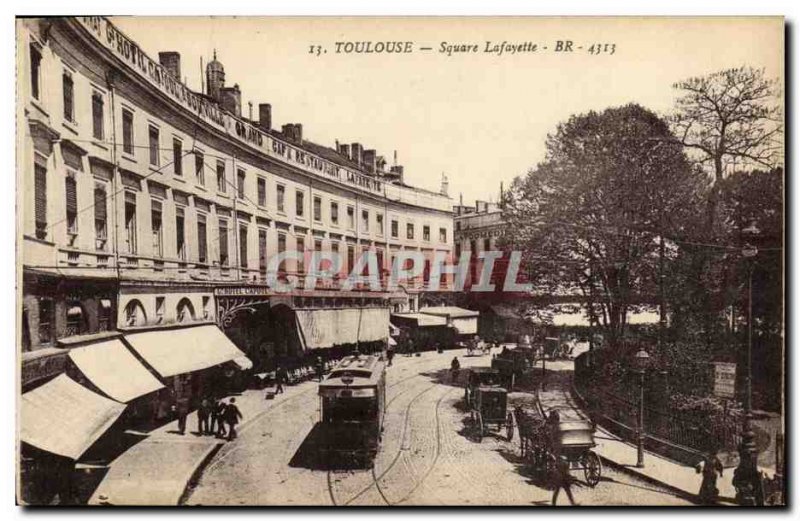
point(352, 403)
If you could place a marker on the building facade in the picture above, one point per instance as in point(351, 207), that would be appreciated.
point(144, 204)
point(477, 228)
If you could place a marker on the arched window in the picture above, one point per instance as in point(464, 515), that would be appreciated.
point(134, 314)
point(185, 310)
point(76, 319)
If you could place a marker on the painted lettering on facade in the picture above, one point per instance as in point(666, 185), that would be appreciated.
point(158, 76)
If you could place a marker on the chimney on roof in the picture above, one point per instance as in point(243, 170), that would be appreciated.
point(171, 61)
point(356, 153)
point(265, 116)
point(445, 185)
point(293, 132)
point(231, 99)
point(397, 170)
point(344, 149)
point(370, 157)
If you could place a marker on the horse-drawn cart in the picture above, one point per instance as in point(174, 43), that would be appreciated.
point(489, 412)
point(543, 440)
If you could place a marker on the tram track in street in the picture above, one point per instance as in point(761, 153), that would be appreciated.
point(436, 455)
point(406, 416)
point(403, 439)
point(229, 448)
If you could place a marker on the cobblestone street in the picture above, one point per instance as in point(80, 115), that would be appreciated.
point(426, 457)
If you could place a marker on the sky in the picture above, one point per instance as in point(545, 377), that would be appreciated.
point(478, 118)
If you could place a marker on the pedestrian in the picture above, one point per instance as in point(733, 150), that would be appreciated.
point(280, 379)
point(182, 410)
point(390, 355)
point(561, 478)
point(232, 416)
point(203, 414)
point(319, 366)
point(455, 366)
point(709, 467)
point(219, 417)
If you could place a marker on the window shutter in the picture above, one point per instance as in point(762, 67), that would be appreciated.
point(100, 211)
point(223, 240)
point(40, 189)
point(72, 196)
point(202, 246)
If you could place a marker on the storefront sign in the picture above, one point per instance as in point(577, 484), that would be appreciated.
point(724, 379)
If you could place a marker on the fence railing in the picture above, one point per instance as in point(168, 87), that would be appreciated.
point(614, 405)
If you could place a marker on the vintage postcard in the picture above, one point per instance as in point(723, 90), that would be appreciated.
point(400, 261)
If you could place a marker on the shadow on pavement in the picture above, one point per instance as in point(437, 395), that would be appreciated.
point(314, 453)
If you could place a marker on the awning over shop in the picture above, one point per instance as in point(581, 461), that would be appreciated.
point(177, 351)
point(464, 321)
point(243, 362)
point(65, 418)
point(449, 312)
point(324, 328)
point(420, 320)
point(114, 370)
point(393, 330)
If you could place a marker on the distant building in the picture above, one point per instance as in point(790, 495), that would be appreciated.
point(477, 228)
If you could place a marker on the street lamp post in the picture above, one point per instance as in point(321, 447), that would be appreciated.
point(640, 363)
point(746, 478)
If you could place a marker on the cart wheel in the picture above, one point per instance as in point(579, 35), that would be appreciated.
point(592, 468)
point(509, 427)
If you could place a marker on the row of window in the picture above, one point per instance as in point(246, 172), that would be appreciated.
point(97, 103)
point(75, 319)
point(261, 187)
point(134, 313)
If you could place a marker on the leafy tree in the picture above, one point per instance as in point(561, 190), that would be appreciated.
point(590, 215)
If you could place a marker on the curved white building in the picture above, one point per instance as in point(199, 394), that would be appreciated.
point(146, 205)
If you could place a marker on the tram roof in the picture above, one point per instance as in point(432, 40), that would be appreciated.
point(364, 370)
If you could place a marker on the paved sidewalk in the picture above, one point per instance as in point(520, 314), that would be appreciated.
point(682, 479)
point(157, 470)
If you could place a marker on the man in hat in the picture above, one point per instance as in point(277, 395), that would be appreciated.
point(232, 417)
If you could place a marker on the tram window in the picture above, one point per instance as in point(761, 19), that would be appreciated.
point(350, 372)
point(350, 409)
